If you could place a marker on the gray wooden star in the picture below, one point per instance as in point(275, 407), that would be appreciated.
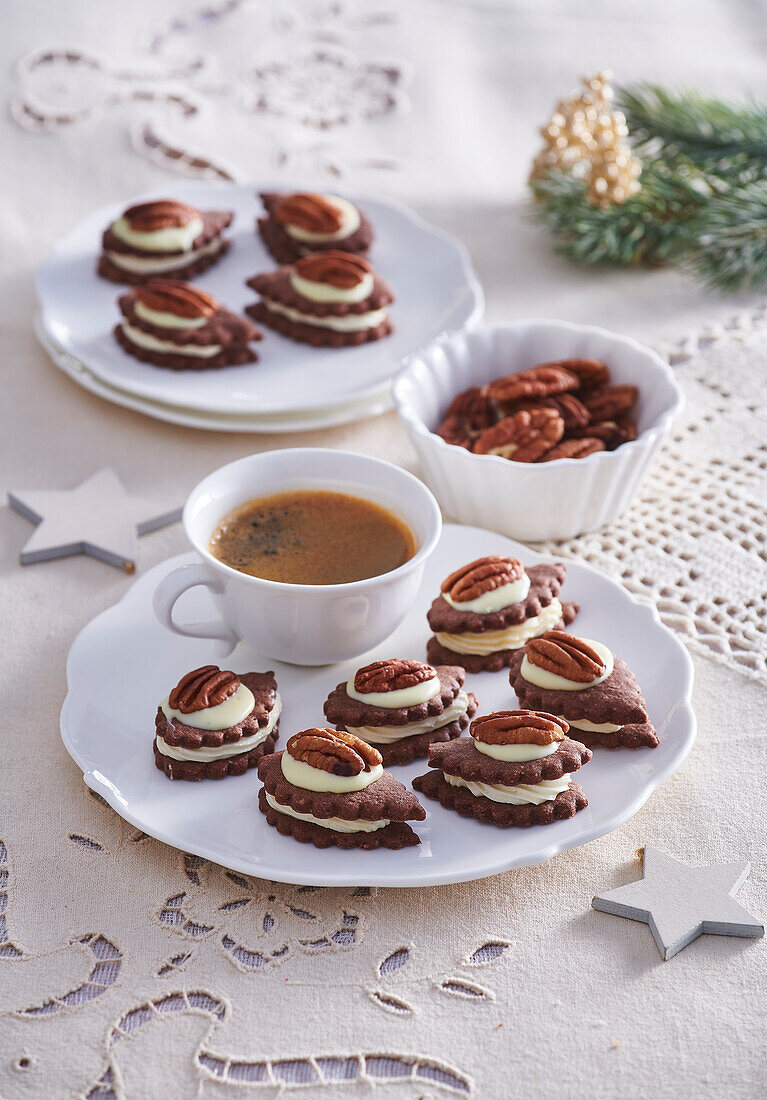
point(97, 518)
point(680, 902)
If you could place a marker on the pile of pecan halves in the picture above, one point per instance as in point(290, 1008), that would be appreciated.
point(566, 409)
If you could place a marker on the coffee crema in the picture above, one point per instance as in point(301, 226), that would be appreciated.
point(312, 537)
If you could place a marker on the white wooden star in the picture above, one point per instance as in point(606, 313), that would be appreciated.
point(680, 902)
point(97, 518)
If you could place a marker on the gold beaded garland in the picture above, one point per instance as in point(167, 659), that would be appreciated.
point(587, 137)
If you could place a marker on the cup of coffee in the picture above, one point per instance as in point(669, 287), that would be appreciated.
point(311, 555)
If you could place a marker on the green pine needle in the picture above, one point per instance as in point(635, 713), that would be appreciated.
point(725, 244)
point(695, 125)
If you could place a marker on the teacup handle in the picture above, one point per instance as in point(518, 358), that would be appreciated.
point(174, 585)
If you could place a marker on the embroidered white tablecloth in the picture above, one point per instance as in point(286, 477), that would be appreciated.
point(128, 970)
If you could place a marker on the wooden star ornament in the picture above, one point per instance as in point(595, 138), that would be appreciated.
point(98, 518)
point(680, 902)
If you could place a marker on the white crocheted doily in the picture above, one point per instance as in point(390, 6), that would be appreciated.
point(694, 541)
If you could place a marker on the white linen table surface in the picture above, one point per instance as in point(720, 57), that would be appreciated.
point(565, 1001)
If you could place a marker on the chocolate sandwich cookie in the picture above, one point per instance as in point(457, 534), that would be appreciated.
point(162, 237)
point(583, 681)
point(172, 324)
point(215, 723)
point(302, 223)
point(402, 706)
point(330, 788)
point(514, 769)
point(489, 608)
point(331, 300)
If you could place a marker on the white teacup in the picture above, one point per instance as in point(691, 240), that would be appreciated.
point(304, 624)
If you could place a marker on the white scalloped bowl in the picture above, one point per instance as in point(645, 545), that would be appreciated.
point(532, 501)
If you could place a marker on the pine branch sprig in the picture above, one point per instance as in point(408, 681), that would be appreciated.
point(639, 231)
point(702, 200)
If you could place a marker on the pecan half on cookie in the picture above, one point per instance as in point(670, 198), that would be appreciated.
point(335, 752)
point(148, 217)
point(480, 576)
point(342, 270)
point(308, 211)
point(204, 687)
point(519, 727)
point(179, 299)
point(565, 655)
point(392, 675)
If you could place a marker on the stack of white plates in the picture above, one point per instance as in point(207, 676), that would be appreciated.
point(293, 387)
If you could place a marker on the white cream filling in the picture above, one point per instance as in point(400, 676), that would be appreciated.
point(301, 774)
point(233, 710)
point(166, 320)
point(527, 794)
point(337, 824)
point(149, 265)
point(172, 238)
point(496, 599)
point(324, 292)
point(513, 637)
point(403, 697)
point(550, 681)
point(350, 223)
point(594, 727)
point(222, 752)
point(152, 343)
point(386, 735)
point(516, 753)
point(352, 322)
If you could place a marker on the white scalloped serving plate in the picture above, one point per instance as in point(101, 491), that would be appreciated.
point(123, 662)
point(430, 273)
point(275, 423)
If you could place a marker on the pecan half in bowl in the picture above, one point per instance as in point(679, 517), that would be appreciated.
point(590, 478)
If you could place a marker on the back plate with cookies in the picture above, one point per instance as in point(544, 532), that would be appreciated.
point(292, 386)
point(123, 662)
